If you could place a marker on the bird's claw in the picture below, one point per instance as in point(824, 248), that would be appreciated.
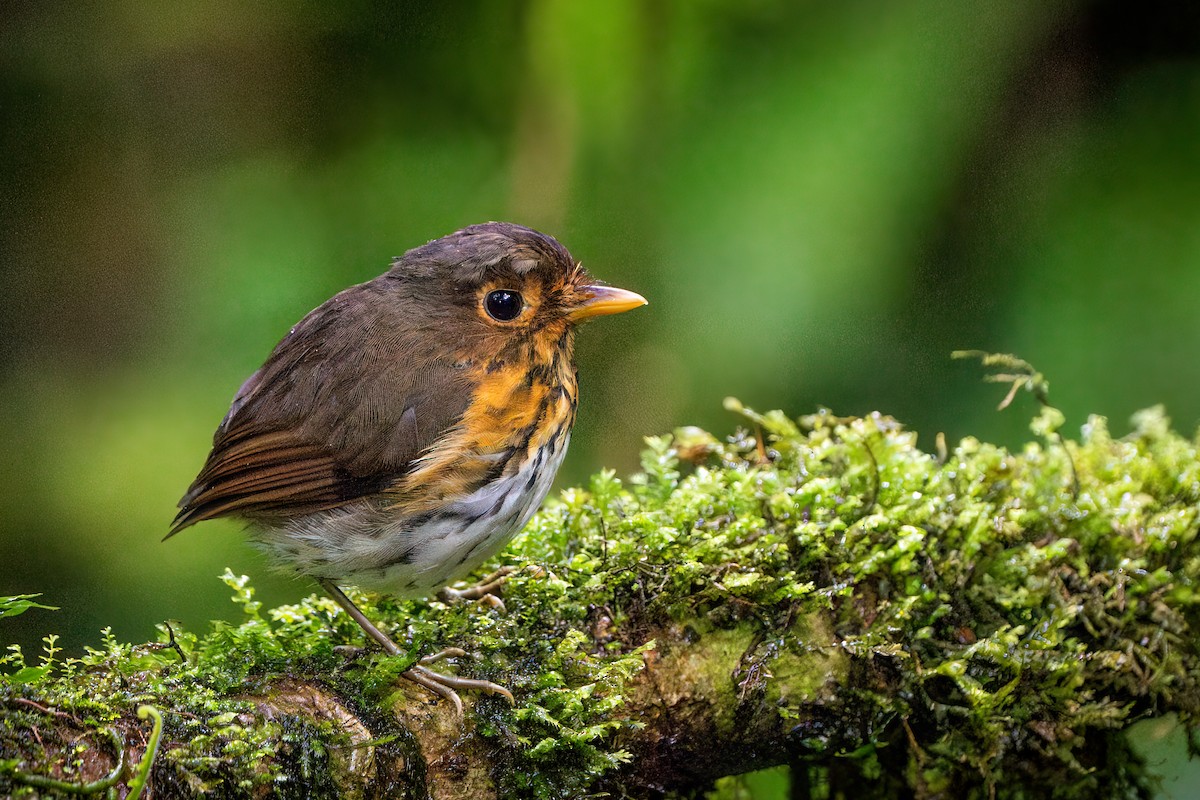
point(447, 686)
point(442, 685)
point(484, 591)
point(440, 655)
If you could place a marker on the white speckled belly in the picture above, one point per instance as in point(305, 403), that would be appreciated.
point(364, 545)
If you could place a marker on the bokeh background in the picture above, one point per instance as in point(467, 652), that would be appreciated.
point(820, 199)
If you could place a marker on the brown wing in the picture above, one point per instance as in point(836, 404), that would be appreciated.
point(342, 407)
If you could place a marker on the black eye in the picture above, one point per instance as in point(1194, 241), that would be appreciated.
point(503, 305)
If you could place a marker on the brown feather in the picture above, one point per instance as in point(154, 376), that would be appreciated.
point(331, 415)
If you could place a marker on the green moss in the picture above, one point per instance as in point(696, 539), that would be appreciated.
point(981, 621)
point(807, 671)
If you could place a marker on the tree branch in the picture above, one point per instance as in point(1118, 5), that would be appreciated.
point(820, 593)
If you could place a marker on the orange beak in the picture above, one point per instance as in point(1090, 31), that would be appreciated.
point(603, 300)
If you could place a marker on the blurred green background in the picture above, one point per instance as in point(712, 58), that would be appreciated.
point(820, 199)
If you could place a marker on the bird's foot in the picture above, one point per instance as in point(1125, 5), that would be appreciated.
point(444, 686)
point(448, 686)
point(484, 591)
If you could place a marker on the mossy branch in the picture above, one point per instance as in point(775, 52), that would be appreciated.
point(819, 592)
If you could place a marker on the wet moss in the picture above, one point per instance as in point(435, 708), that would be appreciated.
point(973, 622)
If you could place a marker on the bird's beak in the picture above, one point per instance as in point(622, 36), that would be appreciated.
point(601, 300)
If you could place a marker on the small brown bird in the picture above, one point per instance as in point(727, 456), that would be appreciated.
point(405, 429)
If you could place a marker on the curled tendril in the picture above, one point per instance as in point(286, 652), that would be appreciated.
point(142, 774)
point(93, 787)
point(109, 781)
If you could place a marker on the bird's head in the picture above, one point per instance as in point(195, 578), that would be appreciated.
point(502, 287)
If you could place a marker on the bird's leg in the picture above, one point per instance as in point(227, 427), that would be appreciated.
point(358, 616)
point(484, 591)
point(441, 685)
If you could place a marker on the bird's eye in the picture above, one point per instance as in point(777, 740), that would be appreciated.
point(503, 305)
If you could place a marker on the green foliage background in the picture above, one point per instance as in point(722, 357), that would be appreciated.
point(820, 199)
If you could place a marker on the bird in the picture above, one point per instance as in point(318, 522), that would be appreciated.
point(405, 429)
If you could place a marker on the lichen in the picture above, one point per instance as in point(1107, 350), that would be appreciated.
point(975, 622)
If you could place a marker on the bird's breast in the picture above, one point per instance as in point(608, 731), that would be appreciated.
point(517, 410)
